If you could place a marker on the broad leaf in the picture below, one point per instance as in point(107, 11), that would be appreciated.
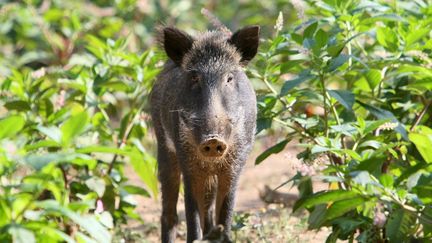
point(345, 97)
point(145, 166)
point(373, 78)
point(387, 38)
point(290, 84)
point(335, 63)
point(323, 197)
point(342, 207)
point(398, 225)
point(73, 127)
point(385, 114)
point(11, 125)
point(273, 150)
point(21, 234)
point(423, 143)
point(97, 185)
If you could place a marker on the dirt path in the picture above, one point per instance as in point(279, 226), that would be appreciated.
point(272, 172)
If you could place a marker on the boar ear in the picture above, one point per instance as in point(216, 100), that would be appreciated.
point(246, 41)
point(176, 43)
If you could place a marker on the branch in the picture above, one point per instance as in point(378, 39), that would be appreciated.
point(420, 116)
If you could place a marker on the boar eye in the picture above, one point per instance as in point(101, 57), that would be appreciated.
point(229, 78)
point(195, 77)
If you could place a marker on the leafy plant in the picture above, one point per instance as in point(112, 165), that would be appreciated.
point(352, 85)
point(73, 116)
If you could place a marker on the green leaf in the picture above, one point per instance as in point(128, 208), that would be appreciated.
point(97, 185)
point(362, 177)
point(310, 30)
point(341, 207)
point(387, 38)
point(42, 144)
point(297, 38)
point(372, 164)
point(415, 35)
point(335, 63)
point(263, 123)
point(423, 143)
point(131, 189)
point(373, 77)
point(86, 222)
point(321, 38)
point(346, 129)
point(102, 149)
point(52, 132)
point(385, 114)
point(348, 225)
point(345, 97)
point(288, 65)
point(372, 125)
point(288, 85)
point(73, 127)
point(398, 225)
point(335, 50)
point(18, 105)
point(38, 161)
point(5, 212)
point(272, 150)
point(21, 235)
point(386, 180)
point(316, 217)
point(323, 197)
point(145, 166)
point(106, 219)
point(11, 125)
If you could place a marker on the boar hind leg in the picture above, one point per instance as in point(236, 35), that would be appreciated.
point(169, 176)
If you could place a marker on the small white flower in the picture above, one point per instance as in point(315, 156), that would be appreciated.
point(279, 22)
point(300, 7)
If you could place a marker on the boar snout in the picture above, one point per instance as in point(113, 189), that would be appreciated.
point(213, 147)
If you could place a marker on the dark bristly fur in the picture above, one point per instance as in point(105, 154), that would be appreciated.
point(204, 112)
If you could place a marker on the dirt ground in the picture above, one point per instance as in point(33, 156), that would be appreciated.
point(265, 222)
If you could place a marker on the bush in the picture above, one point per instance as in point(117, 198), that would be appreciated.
point(73, 115)
point(352, 84)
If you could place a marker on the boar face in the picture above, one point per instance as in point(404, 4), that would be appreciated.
point(216, 99)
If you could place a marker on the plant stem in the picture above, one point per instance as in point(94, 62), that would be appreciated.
point(348, 25)
point(269, 86)
point(324, 94)
point(420, 116)
point(122, 142)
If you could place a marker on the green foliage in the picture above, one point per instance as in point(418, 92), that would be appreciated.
point(351, 82)
point(73, 115)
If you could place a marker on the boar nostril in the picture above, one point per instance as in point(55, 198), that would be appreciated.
point(219, 148)
point(213, 147)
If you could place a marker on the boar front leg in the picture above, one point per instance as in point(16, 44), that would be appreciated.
point(191, 209)
point(169, 177)
point(225, 201)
